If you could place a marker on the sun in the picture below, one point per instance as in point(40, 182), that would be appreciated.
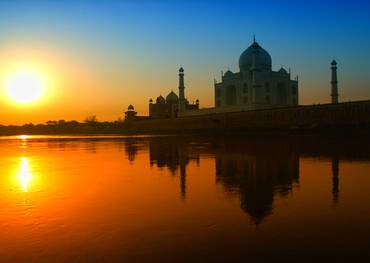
point(25, 86)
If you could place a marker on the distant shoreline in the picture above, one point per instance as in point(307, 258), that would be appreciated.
point(327, 131)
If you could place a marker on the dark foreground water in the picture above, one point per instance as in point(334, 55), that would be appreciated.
point(184, 199)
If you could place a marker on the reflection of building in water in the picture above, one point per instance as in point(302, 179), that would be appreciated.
point(257, 168)
point(132, 146)
point(131, 149)
point(173, 154)
point(335, 172)
point(258, 177)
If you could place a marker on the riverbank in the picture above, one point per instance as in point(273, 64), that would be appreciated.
point(326, 131)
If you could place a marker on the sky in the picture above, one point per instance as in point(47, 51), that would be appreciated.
point(100, 56)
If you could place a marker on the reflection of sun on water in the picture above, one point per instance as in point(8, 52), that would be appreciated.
point(24, 175)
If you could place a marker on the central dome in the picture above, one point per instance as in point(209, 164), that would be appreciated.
point(263, 58)
point(172, 97)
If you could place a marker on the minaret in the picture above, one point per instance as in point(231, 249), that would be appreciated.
point(182, 100)
point(254, 70)
point(334, 83)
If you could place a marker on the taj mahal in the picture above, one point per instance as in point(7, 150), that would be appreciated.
point(256, 86)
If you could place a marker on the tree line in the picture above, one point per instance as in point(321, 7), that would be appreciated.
point(90, 125)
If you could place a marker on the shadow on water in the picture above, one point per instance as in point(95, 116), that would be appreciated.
point(255, 168)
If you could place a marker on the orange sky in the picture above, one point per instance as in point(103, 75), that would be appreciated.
point(79, 86)
point(99, 58)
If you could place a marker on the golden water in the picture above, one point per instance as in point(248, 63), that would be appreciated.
point(183, 199)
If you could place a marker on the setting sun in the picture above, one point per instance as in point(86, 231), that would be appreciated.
point(25, 86)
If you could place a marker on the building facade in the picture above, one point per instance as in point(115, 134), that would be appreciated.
point(131, 115)
point(172, 106)
point(256, 85)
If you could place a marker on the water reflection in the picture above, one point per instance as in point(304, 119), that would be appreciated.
point(135, 199)
point(23, 137)
point(24, 176)
point(257, 170)
point(335, 172)
point(258, 175)
point(131, 149)
point(175, 154)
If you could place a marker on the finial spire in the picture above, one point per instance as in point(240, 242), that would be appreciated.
point(254, 38)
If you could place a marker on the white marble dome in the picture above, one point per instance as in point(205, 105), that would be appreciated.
point(263, 58)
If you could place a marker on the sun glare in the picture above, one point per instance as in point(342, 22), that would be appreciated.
point(25, 86)
point(24, 175)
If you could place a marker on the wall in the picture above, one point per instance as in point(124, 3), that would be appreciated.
point(257, 94)
point(349, 113)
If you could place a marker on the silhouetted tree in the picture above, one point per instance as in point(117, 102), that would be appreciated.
point(91, 119)
point(51, 122)
point(74, 123)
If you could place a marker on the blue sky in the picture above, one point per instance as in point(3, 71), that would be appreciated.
point(139, 45)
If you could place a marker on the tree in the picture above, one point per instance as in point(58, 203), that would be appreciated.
point(51, 122)
point(91, 119)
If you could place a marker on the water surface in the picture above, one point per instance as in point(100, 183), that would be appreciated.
point(184, 199)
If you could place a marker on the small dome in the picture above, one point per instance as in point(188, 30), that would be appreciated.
point(130, 107)
point(172, 97)
point(263, 58)
point(333, 63)
point(150, 101)
point(283, 71)
point(181, 69)
point(160, 99)
point(228, 73)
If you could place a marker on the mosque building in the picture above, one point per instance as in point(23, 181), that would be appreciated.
point(254, 98)
point(173, 104)
point(256, 86)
